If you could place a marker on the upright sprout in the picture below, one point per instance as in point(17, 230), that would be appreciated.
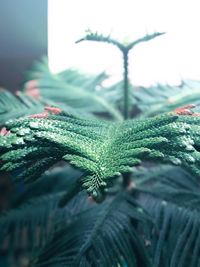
point(125, 49)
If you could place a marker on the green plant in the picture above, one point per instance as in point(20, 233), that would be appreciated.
point(118, 204)
point(125, 49)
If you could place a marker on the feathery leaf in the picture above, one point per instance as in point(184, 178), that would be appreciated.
point(74, 90)
point(174, 240)
point(35, 214)
point(102, 150)
point(103, 236)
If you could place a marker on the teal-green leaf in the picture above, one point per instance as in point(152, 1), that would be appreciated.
point(102, 150)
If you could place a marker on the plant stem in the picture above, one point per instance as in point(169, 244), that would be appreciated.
point(124, 48)
point(126, 84)
point(126, 176)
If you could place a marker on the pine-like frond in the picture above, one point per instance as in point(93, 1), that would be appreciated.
point(103, 150)
point(170, 183)
point(58, 179)
point(35, 213)
point(75, 90)
point(172, 197)
point(29, 225)
point(85, 81)
point(15, 106)
point(164, 98)
point(102, 236)
point(174, 240)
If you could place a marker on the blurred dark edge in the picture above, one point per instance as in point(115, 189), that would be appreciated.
point(23, 39)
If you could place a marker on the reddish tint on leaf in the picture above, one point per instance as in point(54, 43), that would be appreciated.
point(185, 110)
point(53, 110)
point(196, 114)
point(48, 110)
point(40, 115)
point(32, 89)
point(4, 132)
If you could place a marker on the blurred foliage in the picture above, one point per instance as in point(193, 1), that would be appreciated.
point(71, 88)
point(163, 98)
point(16, 106)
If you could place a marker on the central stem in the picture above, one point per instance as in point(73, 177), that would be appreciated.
point(126, 85)
point(126, 176)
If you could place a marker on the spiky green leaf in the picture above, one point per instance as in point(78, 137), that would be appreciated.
point(102, 236)
point(103, 150)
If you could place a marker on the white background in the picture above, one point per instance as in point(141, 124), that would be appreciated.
point(166, 59)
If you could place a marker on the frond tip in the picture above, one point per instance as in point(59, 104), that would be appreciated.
point(102, 150)
point(95, 36)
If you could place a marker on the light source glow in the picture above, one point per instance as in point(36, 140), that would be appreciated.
point(167, 59)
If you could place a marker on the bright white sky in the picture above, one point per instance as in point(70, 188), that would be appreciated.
point(166, 59)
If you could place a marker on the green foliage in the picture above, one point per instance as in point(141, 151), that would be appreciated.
point(35, 214)
point(124, 49)
point(173, 202)
point(16, 106)
point(57, 180)
point(102, 150)
point(72, 89)
point(164, 98)
point(175, 240)
point(181, 189)
point(97, 236)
